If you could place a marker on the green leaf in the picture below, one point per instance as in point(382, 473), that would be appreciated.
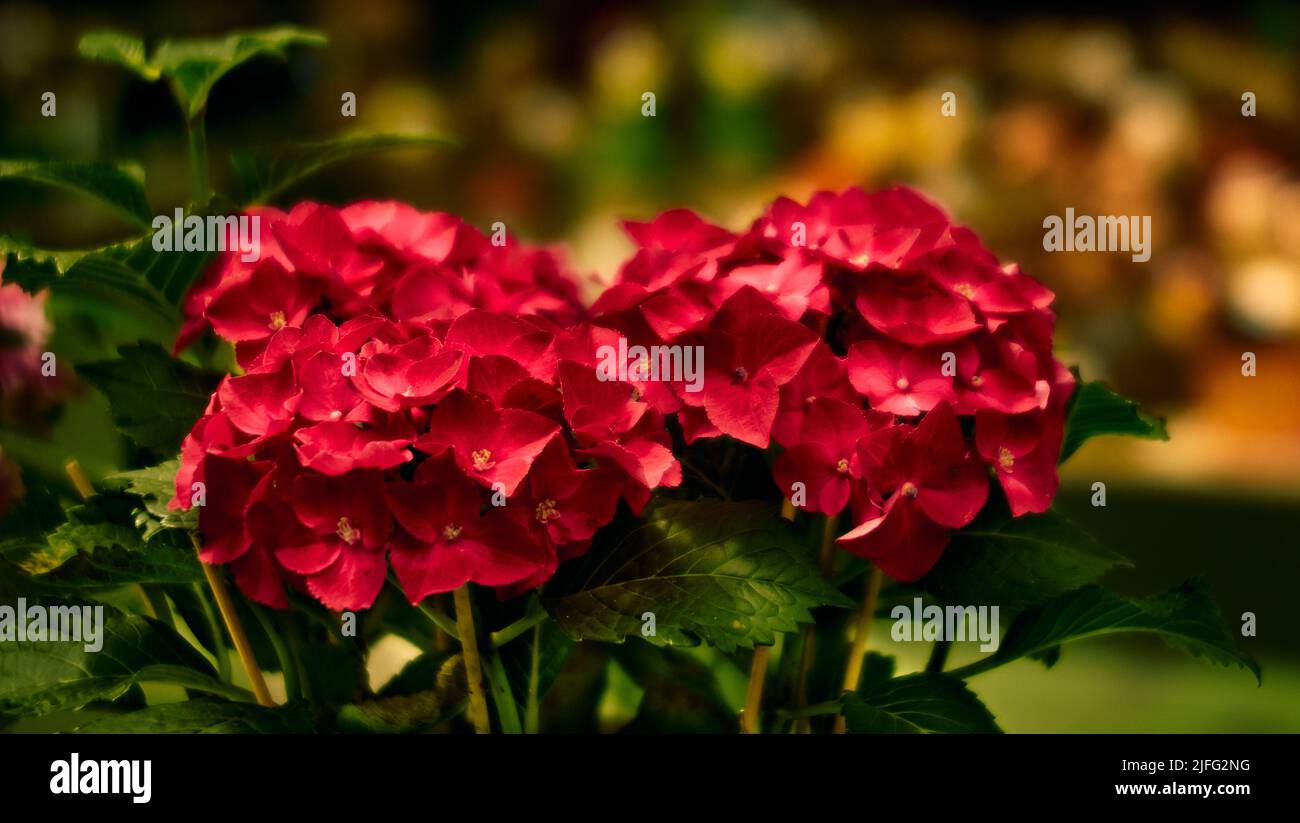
point(118, 185)
point(122, 49)
point(1096, 410)
point(681, 692)
point(733, 574)
point(41, 676)
point(101, 546)
point(203, 716)
point(266, 172)
point(1017, 562)
point(193, 66)
point(130, 274)
point(918, 704)
point(25, 525)
point(1185, 617)
point(155, 486)
point(155, 399)
point(442, 699)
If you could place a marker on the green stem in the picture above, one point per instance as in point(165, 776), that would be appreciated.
point(219, 650)
point(523, 624)
point(829, 707)
point(503, 696)
point(531, 710)
point(157, 600)
point(440, 619)
point(292, 685)
point(978, 667)
point(938, 656)
point(198, 145)
point(436, 615)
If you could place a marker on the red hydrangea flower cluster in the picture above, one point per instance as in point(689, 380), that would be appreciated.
point(378, 257)
point(891, 355)
point(477, 449)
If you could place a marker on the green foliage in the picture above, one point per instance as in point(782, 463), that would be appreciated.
point(1017, 562)
point(732, 574)
point(205, 716)
point(681, 694)
point(155, 399)
point(38, 677)
point(1185, 617)
point(155, 486)
point(428, 692)
point(917, 704)
point(193, 66)
point(117, 185)
point(266, 172)
point(1096, 410)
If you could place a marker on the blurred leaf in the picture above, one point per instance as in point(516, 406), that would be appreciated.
point(155, 399)
point(418, 675)
point(442, 698)
point(1096, 410)
point(918, 704)
point(39, 677)
point(204, 716)
point(333, 674)
point(123, 49)
point(517, 658)
point(1185, 617)
point(118, 185)
point(193, 66)
point(1017, 562)
point(25, 524)
point(681, 693)
point(733, 574)
point(266, 172)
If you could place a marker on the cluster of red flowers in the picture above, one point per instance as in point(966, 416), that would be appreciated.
point(380, 257)
point(413, 394)
point(886, 350)
point(450, 449)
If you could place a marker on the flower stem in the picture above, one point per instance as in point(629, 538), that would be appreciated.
point(531, 709)
point(236, 629)
point(503, 696)
point(809, 652)
point(853, 671)
point(478, 712)
point(214, 628)
point(197, 134)
point(749, 716)
point(533, 618)
point(292, 685)
point(938, 656)
point(754, 694)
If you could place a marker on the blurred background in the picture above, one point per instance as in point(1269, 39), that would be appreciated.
point(1117, 112)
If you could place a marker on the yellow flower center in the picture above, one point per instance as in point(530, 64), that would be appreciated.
point(902, 383)
point(451, 531)
point(843, 466)
point(277, 321)
point(482, 460)
point(345, 531)
point(909, 490)
point(965, 290)
point(546, 511)
point(1006, 459)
